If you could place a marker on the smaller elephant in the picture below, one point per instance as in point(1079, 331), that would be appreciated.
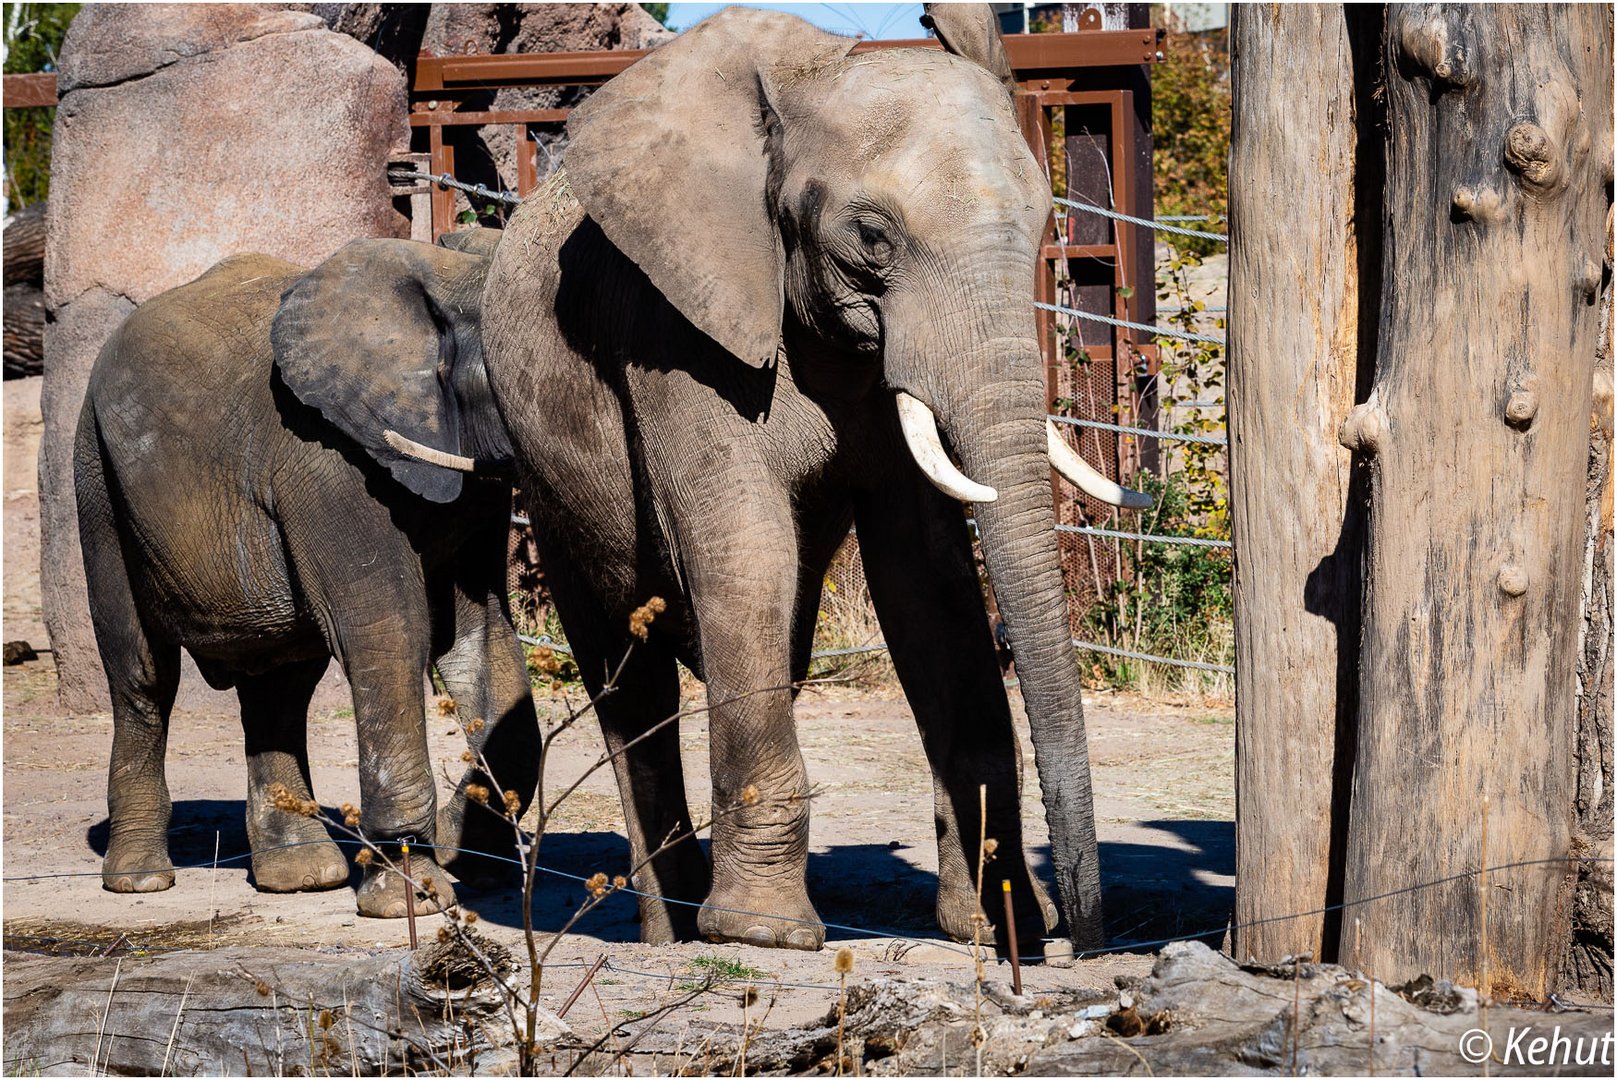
point(223, 513)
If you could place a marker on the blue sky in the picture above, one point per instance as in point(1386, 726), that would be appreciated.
point(852, 19)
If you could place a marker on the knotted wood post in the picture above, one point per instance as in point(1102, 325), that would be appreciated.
point(1477, 433)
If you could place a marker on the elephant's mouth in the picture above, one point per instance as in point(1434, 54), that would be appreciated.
point(921, 435)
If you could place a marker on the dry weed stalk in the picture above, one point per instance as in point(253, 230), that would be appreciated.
point(844, 965)
point(101, 1030)
point(986, 846)
point(597, 888)
point(168, 1051)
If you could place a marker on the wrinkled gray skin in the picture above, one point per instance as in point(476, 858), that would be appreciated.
point(695, 337)
point(220, 514)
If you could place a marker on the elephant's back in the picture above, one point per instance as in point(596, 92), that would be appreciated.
point(196, 358)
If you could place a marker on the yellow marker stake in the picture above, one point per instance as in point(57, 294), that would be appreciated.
point(1010, 931)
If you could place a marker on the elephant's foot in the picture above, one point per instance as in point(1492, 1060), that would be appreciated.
point(308, 867)
point(758, 917)
point(383, 893)
point(132, 867)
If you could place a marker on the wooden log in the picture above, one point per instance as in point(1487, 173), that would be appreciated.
point(24, 331)
point(24, 244)
point(270, 1012)
point(1477, 428)
point(1588, 966)
point(1198, 1013)
point(1294, 355)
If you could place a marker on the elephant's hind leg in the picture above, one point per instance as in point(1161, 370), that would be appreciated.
point(483, 669)
point(143, 674)
point(651, 781)
point(669, 868)
point(291, 852)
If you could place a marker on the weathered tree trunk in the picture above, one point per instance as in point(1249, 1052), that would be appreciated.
point(1197, 1014)
point(1477, 433)
point(24, 330)
point(1589, 954)
point(1294, 357)
point(261, 1012)
point(25, 247)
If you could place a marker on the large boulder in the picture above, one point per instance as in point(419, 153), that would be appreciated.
point(185, 134)
point(489, 155)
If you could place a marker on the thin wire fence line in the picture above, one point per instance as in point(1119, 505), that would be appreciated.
point(1152, 433)
point(544, 641)
point(1145, 328)
point(1195, 665)
point(1156, 225)
point(1193, 541)
point(445, 180)
point(1192, 217)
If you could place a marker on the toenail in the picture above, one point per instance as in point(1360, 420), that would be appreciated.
point(804, 938)
point(759, 935)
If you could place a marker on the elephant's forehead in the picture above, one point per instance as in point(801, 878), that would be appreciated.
point(921, 122)
point(903, 93)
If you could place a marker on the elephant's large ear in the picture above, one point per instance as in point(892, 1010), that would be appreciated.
point(671, 159)
point(385, 340)
point(972, 31)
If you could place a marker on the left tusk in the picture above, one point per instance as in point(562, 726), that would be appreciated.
point(1082, 475)
point(921, 436)
point(432, 456)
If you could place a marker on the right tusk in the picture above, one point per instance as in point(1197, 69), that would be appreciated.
point(1082, 475)
point(921, 436)
point(442, 458)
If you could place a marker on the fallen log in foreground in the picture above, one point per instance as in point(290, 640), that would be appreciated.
point(1197, 1013)
point(261, 1012)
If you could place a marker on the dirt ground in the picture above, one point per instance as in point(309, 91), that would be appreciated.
point(1162, 771)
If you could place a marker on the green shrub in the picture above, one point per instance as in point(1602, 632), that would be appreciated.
point(34, 34)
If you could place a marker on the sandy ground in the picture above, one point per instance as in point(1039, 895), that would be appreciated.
point(1162, 770)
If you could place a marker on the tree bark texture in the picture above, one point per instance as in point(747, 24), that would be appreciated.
point(1588, 965)
point(1477, 434)
point(24, 331)
point(24, 245)
point(1293, 363)
point(1197, 1014)
point(263, 1012)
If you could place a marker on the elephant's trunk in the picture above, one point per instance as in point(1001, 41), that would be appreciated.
point(989, 403)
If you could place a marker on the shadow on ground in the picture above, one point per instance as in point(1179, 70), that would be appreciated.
point(1152, 891)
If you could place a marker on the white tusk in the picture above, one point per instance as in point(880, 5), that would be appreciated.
point(1082, 475)
point(412, 449)
point(921, 436)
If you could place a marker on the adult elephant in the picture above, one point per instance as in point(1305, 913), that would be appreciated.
point(221, 514)
point(772, 280)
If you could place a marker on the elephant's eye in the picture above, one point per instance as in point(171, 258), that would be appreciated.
point(876, 241)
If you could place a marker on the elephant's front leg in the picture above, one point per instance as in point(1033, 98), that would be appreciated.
point(924, 584)
point(743, 579)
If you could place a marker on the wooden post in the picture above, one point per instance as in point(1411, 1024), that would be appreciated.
point(1477, 434)
point(1293, 362)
